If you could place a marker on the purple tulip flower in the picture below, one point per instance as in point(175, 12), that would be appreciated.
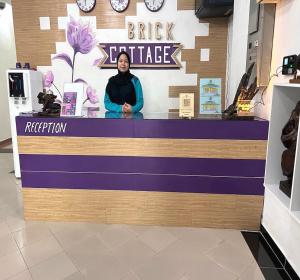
point(91, 95)
point(48, 79)
point(80, 36)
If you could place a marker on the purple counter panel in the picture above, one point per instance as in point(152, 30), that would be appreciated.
point(177, 129)
point(219, 176)
point(197, 175)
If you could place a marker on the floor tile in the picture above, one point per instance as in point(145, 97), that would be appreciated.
point(75, 276)
point(40, 251)
point(72, 234)
point(7, 245)
point(24, 275)
point(192, 245)
point(231, 257)
point(275, 274)
point(272, 244)
point(184, 277)
point(31, 234)
point(157, 238)
point(200, 239)
point(130, 276)
point(232, 235)
point(204, 268)
point(181, 254)
point(87, 252)
point(138, 229)
point(134, 253)
point(65, 226)
point(96, 228)
point(261, 250)
point(107, 267)
point(160, 268)
point(11, 265)
point(116, 235)
point(252, 272)
point(15, 223)
point(57, 267)
point(4, 229)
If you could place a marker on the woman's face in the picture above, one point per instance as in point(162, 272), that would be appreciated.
point(123, 63)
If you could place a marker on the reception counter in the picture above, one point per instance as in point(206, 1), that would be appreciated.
point(143, 169)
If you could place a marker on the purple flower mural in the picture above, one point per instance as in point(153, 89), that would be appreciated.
point(48, 80)
point(91, 95)
point(81, 38)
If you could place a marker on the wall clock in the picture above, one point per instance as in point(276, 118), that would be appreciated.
point(86, 5)
point(154, 5)
point(119, 5)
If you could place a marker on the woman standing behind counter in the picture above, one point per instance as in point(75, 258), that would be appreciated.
point(124, 91)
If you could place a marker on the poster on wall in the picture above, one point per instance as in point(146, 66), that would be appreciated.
point(72, 99)
point(210, 96)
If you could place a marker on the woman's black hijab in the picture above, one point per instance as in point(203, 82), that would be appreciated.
point(120, 88)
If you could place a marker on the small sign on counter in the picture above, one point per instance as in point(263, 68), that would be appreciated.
point(186, 105)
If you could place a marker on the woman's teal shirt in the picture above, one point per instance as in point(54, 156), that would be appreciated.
point(113, 107)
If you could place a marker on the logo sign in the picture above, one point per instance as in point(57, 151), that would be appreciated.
point(143, 55)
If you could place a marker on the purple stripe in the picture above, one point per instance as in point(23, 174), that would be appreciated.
point(186, 184)
point(156, 165)
point(180, 129)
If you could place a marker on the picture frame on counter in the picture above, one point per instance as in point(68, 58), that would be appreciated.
point(72, 100)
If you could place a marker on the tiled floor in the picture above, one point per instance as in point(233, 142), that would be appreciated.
point(270, 260)
point(73, 251)
point(6, 149)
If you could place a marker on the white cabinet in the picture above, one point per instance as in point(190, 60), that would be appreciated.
point(281, 214)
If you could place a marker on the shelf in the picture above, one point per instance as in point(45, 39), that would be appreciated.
point(287, 85)
point(274, 188)
point(281, 214)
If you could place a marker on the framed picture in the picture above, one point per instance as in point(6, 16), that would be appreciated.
point(186, 105)
point(72, 99)
point(210, 95)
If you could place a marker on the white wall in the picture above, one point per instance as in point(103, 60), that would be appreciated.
point(7, 60)
point(286, 42)
point(237, 47)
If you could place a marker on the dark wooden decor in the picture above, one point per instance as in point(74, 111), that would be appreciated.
point(50, 108)
point(289, 140)
point(243, 93)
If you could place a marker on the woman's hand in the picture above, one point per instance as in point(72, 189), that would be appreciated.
point(127, 108)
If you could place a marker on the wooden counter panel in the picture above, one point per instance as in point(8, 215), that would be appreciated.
point(146, 147)
point(148, 208)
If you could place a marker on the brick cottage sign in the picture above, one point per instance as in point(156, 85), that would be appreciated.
point(144, 55)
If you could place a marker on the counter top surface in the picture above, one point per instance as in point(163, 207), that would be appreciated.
point(94, 113)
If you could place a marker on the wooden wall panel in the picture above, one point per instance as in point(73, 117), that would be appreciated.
point(185, 4)
point(34, 45)
point(175, 90)
point(216, 67)
point(147, 147)
point(147, 208)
